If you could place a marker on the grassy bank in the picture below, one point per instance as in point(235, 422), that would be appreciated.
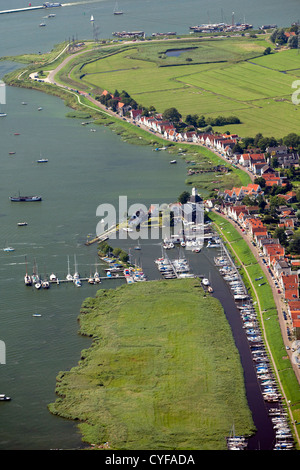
point(269, 316)
point(163, 371)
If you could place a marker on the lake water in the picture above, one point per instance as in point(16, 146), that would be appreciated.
point(85, 169)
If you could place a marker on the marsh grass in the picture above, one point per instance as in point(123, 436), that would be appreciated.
point(162, 373)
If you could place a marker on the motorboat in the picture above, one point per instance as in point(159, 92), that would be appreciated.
point(3, 397)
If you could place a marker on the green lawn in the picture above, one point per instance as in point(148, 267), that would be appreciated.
point(243, 84)
point(163, 371)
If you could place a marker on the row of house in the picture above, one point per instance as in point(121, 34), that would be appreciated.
point(278, 263)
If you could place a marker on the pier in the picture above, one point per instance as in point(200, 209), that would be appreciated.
point(18, 10)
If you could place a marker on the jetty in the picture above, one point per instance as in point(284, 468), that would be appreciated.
point(18, 10)
point(46, 5)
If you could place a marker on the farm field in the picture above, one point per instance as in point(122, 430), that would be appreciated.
point(239, 80)
point(155, 376)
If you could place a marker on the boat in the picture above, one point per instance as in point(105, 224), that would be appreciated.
point(69, 276)
point(205, 281)
point(3, 397)
point(11, 153)
point(40, 108)
point(27, 278)
point(51, 4)
point(52, 15)
point(42, 160)
point(22, 224)
point(42, 24)
point(36, 315)
point(92, 18)
point(173, 161)
point(25, 198)
point(76, 276)
point(3, 114)
point(53, 277)
point(213, 244)
point(35, 277)
point(138, 246)
point(45, 284)
point(117, 11)
point(8, 249)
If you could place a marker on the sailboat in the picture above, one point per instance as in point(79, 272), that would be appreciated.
point(117, 11)
point(37, 282)
point(69, 276)
point(97, 276)
point(76, 276)
point(27, 278)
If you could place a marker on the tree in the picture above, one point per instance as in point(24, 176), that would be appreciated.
point(184, 197)
point(280, 234)
point(294, 245)
point(171, 114)
point(292, 140)
point(267, 51)
point(293, 42)
point(201, 121)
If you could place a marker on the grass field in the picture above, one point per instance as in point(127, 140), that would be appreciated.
point(163, 371)
point(229, 77)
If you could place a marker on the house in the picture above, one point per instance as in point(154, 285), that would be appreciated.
point(271, 179)
point(267, 241)
point(244, 160)
point(135, 113)
point(259, 168)
point(294, 312)
point(234, 211)
point(273, 251)
point(279, 150)
point(256, 158)
point(282, 268)
point(290, 286)
point(234, 194)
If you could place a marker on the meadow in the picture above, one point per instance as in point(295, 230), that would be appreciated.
point(159, 374)
point(228, 77)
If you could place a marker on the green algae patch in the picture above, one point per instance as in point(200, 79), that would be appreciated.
point(162, 372)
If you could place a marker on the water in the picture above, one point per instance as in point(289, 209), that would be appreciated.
point(23, 34)
point(84, 170)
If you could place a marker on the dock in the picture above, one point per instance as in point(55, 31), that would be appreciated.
point(18, 10)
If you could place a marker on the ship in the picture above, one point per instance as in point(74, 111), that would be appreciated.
point(51, 5)
point(25, 198)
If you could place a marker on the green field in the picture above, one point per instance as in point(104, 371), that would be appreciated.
point(163, 371)
point(228, 77)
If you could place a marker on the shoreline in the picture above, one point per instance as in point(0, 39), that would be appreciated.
point(103, 112)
